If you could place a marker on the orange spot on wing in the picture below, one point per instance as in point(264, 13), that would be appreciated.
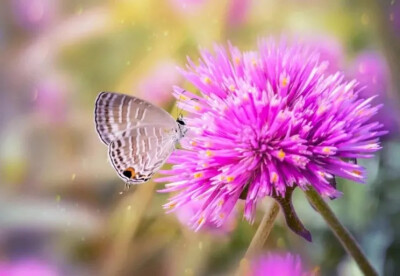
point(129, 172)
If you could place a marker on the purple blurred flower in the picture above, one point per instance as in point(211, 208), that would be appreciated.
point(237, 12)
point(50, 99)
point(155, 86)
point(277, 264)
point(187, 6)
point(394, 17)
point(330, 50)
point(27, 268)
point(34, 14)
point(266, 121)
point(372, 72)
point(186, 214)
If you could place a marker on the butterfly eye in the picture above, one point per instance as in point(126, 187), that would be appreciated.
point(129, 172)
point(180, 121)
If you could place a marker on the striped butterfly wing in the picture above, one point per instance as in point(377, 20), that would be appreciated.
point(141, 151)
point(116, 113)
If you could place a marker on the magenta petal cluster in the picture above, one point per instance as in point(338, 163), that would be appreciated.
point(31, 267)
point(266, 120)
point(186, 214)
point(278, 264)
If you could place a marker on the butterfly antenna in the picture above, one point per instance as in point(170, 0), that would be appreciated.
point(181, 98)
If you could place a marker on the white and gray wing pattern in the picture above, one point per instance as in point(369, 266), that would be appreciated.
point(116, 113)
point(137, 155)
point(140, 136)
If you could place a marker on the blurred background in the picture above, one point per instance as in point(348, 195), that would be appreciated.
point(64, 211)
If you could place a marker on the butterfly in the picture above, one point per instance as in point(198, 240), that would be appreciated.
point(140, 136)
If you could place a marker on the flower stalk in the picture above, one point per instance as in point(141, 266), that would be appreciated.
point(341, 233)
point(259, 239)
point(263, 231)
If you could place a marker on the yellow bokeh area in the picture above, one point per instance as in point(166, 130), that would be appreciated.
point(63, 208)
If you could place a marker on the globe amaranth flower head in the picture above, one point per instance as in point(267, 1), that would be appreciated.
point(278, 264)
point(265, 121)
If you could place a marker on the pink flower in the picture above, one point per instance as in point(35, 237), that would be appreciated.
point(34, 14)
point(155, 86)
point(238, 11)
point(266, 121)
point(394, 16)
point(330, 50)
point(187, 6)
point(278, 264)
point(27, 268)
point(50, 99)
point(372, 71)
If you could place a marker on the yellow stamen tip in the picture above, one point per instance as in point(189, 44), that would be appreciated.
point(221, 202)
point(198, 175)
point(274, 177)
point(221, 215)
point(321, 109)
point(236, 60)
point(197, 107)
point(357, 172)
point(326, 150)
point(284, 82)
point(201, 220)
point(230, 178)
point(209, 153)
point(207, 80)
point(182, 98)
point(193, 143)
point(281, 155)
point(231, 87)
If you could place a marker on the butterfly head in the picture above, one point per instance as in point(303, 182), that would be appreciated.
point(180, 120)
point(182, 126)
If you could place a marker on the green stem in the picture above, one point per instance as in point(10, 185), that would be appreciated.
point(259, 239)
point(262, 233)
point(341, 233)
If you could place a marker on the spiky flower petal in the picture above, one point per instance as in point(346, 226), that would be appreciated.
point(264, 121)
point(277, 264)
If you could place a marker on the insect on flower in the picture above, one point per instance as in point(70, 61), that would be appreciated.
point(140, 136)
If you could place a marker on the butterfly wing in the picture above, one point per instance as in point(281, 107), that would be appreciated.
point(141, 151)
point(116, 113)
